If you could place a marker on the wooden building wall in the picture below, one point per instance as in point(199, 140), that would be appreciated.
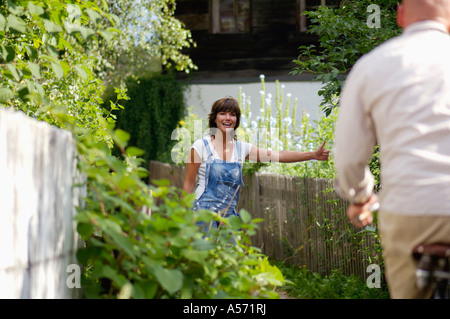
point(268, 48)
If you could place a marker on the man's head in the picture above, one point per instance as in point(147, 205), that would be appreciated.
point(411, 11)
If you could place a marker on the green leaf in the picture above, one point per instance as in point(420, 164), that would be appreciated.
point(121, 136)
point(57, 68)
point(35, 9)
point(201, 244)
point(115, 20)
point(94, 16)
point(122, 241)
point(74, 11)
point(8, 53)
point(126, 182)
point(161, 182)
point(134, 151)
point(52, 27)
point(35, 70)
point(63, 44)
point(107, 271)
point(32, 53)
point(2, 22)
point(85, 230)
point(15, 9)
point(234, 222)
point(65, 67)
point(23, 92)
point(269, 273)
point(6, 94)
point(86, 32)
point(81, 71)
point(12, 68)
point(73, 28)
point(245, 216)
point(16, 24)
point(170, 279)
point(195, 255)
point(35, 87)
point(85, 255)
point(144, 289)
point(52, 51)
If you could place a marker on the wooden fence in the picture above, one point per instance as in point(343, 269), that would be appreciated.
point(305, 223)
point(37, 230)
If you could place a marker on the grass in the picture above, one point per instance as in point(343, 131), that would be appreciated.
point(305, 284)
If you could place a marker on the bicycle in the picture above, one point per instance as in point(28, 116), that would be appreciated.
point(433, 268)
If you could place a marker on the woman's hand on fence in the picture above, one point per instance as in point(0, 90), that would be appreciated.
point(321, 154)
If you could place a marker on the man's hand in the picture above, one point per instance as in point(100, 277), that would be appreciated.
point(360, 215)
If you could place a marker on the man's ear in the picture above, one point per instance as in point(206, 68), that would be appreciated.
point(400, 16)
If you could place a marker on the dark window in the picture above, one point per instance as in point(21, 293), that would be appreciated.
point(231, 16)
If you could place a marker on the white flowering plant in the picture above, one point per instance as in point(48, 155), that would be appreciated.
point(277, 126)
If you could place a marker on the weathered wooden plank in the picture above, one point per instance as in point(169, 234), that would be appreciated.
point(268, 47)
point(38, 233)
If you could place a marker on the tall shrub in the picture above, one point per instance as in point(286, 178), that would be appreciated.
point(155, 106)
point(344, 34)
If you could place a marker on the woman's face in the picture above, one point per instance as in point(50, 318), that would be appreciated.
point(226, 121)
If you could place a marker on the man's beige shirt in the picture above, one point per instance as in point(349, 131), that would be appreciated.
point(399, 94)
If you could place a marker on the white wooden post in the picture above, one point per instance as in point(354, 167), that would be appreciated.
point(38, 238)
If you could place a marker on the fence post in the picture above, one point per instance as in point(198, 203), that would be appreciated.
point(37, 231)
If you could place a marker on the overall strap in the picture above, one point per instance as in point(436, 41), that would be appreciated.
point(208, 149)
point(239, 151)
point(210, 156)
point(240, 160)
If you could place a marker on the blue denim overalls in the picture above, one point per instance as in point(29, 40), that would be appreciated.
point(222, 185)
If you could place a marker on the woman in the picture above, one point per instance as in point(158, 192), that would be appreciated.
point(217, 160)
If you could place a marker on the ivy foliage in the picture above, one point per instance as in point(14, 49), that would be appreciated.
point(49, 69)
point(153, 110)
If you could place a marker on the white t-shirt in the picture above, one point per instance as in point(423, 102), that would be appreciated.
point(200, 148)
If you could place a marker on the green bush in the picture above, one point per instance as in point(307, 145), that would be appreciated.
point(344, 36)
point(305, 284)
point(152, 112)
point(165, 255)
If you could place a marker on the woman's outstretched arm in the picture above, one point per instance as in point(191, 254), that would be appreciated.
point(263, 155)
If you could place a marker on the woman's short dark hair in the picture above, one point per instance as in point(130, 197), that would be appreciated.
point(226, 104)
